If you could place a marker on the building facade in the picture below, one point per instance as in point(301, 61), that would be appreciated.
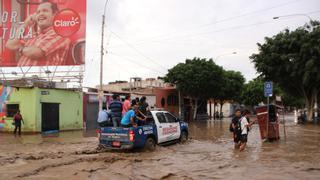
point(44, 109)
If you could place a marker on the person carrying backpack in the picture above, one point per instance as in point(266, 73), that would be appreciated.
point(235, 129)
point(244, 127)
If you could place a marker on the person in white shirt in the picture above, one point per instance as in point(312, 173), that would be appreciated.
point(103, 117)
point(245, 125)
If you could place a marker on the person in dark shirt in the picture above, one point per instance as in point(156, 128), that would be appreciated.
point(235, 128)
point(116, 110)
point(143, 105)
point(17, 118)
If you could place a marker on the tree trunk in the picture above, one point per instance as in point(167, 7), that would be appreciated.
point(214, 110)
point(221, 105)
point(195, 109)
point(309, 113)
point(310, 105)
point(210, 109)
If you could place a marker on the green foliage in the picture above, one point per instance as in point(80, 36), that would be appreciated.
point(197, 78)
point(233, 82)
point(292, 60)
point(252, 93)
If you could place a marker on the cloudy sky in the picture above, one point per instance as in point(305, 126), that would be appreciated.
point(146, 37)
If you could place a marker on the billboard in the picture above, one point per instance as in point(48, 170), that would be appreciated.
point(42, 32)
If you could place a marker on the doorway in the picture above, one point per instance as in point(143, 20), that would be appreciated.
point(50, 117)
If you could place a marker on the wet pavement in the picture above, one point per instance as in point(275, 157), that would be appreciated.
point(209, 154)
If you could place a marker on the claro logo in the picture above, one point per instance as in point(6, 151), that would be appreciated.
point(66, 22)
point(61, 23)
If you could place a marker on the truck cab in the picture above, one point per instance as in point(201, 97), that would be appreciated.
point(160, 127)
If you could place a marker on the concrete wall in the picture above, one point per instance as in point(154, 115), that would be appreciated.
point(163, 93)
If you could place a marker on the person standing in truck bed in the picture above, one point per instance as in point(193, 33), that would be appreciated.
point(115, 108)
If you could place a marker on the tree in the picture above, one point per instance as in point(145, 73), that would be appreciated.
point(252, 93)
point(291, 59)
point(197, 78)
point(233, 82)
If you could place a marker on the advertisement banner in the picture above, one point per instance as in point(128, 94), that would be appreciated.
point(42, 32)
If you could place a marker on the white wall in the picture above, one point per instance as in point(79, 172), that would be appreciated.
point(226, 109)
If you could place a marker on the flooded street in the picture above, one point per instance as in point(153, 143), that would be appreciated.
point(209, 154)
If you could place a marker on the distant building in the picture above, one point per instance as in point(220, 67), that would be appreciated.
point(135, 83)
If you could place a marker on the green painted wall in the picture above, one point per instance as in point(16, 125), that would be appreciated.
point(71, 108)
point(25, 97)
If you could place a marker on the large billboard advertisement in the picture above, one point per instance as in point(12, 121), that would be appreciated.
point(42, 32)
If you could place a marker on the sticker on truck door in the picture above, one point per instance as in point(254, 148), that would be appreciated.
point(170, 130)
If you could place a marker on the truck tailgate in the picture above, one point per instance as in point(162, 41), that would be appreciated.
point(116, 137)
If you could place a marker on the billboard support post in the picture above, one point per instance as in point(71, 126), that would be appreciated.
point(101, 58)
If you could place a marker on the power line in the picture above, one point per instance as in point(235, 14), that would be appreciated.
point(138, 51)
point(219, 30)
point(225, 20)
point(135, 62)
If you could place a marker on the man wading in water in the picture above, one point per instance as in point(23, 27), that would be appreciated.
point(235, 130)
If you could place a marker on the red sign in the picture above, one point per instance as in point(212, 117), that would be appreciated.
point(170, 130)
point(66, 22)
point(36, 33)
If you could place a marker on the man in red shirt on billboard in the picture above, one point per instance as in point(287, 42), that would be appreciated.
point(46, 47)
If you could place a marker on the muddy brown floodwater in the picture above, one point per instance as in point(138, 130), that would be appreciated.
point(209, 154)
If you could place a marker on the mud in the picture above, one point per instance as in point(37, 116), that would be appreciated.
point(209, 154)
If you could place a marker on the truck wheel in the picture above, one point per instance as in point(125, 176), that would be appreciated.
point(183, 137)
point(150, 144)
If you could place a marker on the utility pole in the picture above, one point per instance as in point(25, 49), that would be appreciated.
point(100, 94)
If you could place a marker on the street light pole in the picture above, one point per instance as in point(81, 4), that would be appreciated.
point(293, 15)
point(100, 94)
point(224, 55)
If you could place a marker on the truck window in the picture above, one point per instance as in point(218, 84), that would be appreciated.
point(149, 120)
point(161, 118)
point(170, 118)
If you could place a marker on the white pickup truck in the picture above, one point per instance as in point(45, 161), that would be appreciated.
point(161, 127)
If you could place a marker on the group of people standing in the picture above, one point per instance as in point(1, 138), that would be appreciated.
point(240, 127)
point(125, 113)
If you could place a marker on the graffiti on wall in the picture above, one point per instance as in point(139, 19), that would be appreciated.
point(4, 94)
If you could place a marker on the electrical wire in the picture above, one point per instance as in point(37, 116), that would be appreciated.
point(138, 51)
point(216, 31)
point(135, 62)
point(224, 20)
